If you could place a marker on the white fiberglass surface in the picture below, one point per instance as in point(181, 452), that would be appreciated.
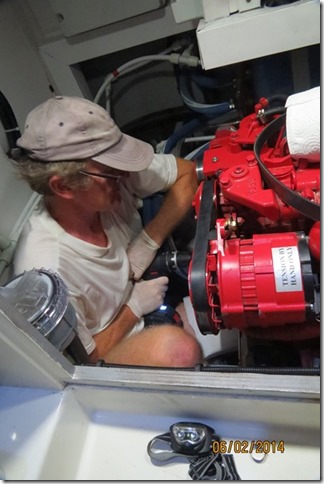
point(28, 418)
point(86, 432)
point(103, 435)
point(118, 452)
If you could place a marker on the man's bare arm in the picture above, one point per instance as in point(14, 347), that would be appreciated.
point(176, 204)
point(113, 334)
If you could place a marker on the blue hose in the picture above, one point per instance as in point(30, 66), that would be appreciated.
point(186, 130)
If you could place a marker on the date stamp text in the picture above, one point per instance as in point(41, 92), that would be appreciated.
point(248, 447)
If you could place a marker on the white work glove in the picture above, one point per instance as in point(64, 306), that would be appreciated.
point(147, 295)
point(141, 252)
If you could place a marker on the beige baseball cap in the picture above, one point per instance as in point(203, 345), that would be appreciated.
point(67, 128)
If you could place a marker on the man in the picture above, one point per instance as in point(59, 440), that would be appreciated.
point(87, 228)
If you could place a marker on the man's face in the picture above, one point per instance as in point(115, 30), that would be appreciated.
point(103, 194)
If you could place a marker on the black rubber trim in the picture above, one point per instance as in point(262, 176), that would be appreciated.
point(200, 249)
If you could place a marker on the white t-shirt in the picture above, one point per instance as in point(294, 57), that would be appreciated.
point(97, 277)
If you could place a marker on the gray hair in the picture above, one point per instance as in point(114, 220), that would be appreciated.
point(37, 173)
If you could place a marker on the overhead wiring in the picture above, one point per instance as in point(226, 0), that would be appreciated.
point(174, 58)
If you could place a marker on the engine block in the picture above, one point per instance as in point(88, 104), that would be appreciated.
point(255, 262)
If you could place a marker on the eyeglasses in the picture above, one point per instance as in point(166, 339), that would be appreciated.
point(116, 178)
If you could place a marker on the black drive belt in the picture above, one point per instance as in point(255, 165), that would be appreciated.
point(200, 249)
point(292, 198)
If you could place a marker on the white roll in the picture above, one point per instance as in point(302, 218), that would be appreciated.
point(303, 124)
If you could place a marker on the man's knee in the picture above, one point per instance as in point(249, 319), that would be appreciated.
point(175, 347)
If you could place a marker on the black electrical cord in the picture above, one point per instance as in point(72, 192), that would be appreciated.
point(9, 122)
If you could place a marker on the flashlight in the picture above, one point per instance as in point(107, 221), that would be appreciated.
point(191, 438)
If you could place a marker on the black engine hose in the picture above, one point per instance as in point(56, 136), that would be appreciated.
point(274, 110)
point(278, 98)
point(9, 122)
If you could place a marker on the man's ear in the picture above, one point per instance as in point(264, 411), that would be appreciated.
point(59, 187)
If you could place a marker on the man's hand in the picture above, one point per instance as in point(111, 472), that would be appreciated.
point(141, 252)
point(147, 296)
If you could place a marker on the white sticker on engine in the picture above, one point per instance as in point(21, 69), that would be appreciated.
point(286, 267)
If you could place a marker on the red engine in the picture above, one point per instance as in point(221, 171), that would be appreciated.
point(255, 262)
